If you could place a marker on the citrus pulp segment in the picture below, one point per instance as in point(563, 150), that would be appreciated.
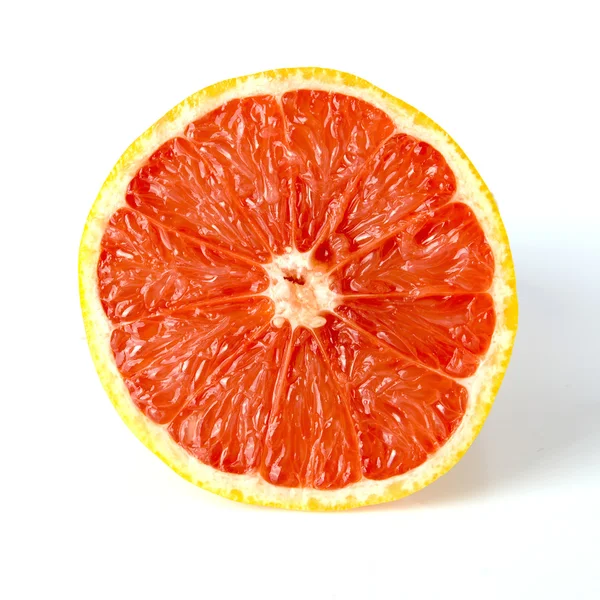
point(298, 292)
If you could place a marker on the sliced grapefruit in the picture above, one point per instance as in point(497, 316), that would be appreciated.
point(298, 292)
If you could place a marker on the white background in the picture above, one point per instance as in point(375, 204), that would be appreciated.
point(88, 512)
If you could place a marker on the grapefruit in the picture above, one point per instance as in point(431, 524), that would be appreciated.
point(298, 292)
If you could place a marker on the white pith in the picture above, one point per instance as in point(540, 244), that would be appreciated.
point(300, 304)
point(252, 487)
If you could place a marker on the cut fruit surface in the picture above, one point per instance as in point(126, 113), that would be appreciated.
point(298, 292)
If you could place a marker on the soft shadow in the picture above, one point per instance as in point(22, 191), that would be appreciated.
point(544, 424)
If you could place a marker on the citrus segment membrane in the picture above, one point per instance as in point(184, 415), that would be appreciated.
point(311, 441)
point(243, 144)
point(405, 177)
point(146, 269)
point(166, 359)
point(440, 252)
point(402, 411)
point(187, 190)
point(447, 333)
point(226, 423)
point(296, 291)
point(329, 136)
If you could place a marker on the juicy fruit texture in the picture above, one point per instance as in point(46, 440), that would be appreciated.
point(323, 187)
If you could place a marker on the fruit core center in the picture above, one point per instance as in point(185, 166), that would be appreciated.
point(299, 290)
point(298, 279)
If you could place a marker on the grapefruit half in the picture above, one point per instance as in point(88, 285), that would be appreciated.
point(298, 292)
